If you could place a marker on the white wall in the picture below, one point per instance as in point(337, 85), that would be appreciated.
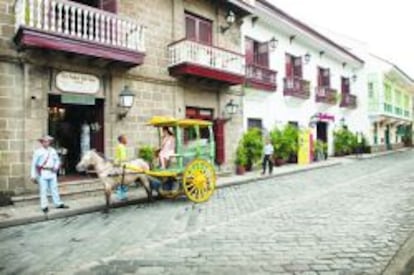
point(275, 108)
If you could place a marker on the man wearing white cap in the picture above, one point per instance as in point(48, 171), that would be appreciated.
point(45, 165)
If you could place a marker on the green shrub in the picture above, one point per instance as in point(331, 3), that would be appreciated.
point(284, 141)
point(146, 152)
point(345, 142)
point(252, 144)
point(321, 150)
point(241, 158)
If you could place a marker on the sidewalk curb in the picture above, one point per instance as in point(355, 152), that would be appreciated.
point(403, 260)
point(69, 213)
point(142, 199)
point(261, 178)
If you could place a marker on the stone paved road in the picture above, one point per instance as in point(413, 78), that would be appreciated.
point(348, 219)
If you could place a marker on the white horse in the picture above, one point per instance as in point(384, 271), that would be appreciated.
point(112, 176)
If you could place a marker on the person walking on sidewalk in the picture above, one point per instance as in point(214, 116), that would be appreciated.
point(267, 158)
point(359, 146)
point(120, 159)
point(44, 168)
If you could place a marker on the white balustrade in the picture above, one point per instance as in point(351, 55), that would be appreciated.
point(209, 56)
point(72, 19)
point(46, 15)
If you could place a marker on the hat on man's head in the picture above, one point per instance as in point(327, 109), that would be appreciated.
point(46, 138)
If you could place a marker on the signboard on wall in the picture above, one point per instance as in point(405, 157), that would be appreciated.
point(78, 83)
point(78, 99)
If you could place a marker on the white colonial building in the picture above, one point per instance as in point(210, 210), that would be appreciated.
point(295, 75)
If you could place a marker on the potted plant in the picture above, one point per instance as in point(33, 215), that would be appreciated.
point(291, 135)
point(321, 150)
point(280, 145)
point(252, 143)
point(241, 159)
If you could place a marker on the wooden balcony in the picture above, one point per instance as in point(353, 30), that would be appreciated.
point(296, 87)
point(188, 58)
point(348, 101)
point(78, 29)
point(326, 95)
point(260, 77)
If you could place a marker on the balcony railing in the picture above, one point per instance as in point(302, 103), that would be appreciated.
point(80, 22)
point(326, 95)
point(261, 77)
point(348, 101)
point(296, 87)
point(215, 58)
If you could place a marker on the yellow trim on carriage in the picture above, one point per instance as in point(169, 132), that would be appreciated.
point(161, 121)
point(192, 122)
point(161, 174)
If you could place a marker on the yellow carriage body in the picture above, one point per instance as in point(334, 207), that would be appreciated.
point(194, 168)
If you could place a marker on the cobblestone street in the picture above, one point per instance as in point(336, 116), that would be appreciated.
point(347, 219)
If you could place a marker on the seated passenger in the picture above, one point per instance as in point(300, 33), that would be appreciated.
point(167, 147)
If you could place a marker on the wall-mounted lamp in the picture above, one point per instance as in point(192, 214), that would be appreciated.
point(231, 109)
point(126, 101)
point(321, 53)
point(307, 57)
point(313, 120)
point(291, 38)
point(230, 19)
point(342, 122)
point(273, 43)
point(354, 77)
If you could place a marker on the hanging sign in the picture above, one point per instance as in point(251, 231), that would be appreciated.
point(79, 83)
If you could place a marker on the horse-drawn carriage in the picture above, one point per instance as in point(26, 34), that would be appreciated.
point(189, 169)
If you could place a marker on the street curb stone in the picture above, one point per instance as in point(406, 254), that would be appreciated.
point(403, 261)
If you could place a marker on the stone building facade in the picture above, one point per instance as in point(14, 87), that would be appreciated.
point(31, 101)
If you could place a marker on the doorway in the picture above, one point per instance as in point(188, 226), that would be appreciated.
point(76, 128)
point(387, 137)
point(322, 131)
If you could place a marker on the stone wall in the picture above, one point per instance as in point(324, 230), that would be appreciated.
point(27, 78)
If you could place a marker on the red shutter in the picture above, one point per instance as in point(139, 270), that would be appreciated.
point(263, 54)
point(249, 51)
point(297, 66)
point(204, 32)
point(190, 27)
point(345, 85)
point(288, 66)
point(327, 78)
point(109, 5)
point(219, 139)
point(320, 80)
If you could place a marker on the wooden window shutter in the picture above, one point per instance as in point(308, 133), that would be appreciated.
point(109, 5)
point(327, 77)
point(204, 32)
point(288, 66)
point(297, 67)
point(219, 139)
point(249, 51)
point(190, 27)
point(263, 54)
point(345, 85)
point(319, 76)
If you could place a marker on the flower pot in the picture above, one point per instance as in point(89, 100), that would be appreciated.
point(240, 170)
point(279, 162)
point(248, 167)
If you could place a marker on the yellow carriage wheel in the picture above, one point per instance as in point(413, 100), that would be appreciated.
point(199, 180)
